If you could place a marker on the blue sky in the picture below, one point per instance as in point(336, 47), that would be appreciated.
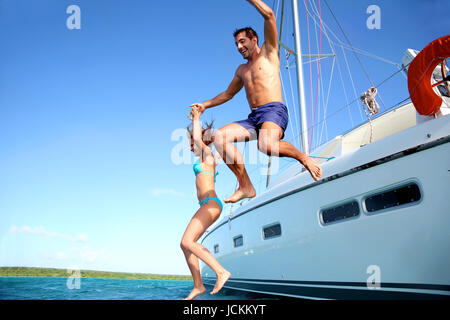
point(87, 171)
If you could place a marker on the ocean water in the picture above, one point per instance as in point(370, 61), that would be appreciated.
point(52, 288)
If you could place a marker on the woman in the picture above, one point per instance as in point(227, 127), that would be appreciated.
point(207, 214)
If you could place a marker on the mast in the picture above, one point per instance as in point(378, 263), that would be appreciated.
point(279, 53)
point(300, 83)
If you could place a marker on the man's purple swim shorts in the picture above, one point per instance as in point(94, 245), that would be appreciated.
point(275, 112)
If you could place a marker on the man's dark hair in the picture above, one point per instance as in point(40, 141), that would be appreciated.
point(249, 32)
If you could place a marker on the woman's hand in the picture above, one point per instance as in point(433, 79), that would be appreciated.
point(195, 113)
point(201, 107)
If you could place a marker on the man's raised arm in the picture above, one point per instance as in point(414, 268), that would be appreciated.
point(270, 24)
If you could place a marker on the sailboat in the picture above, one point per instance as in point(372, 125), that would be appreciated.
point(377, 226)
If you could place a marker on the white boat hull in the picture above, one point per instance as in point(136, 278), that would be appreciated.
point(405, 248)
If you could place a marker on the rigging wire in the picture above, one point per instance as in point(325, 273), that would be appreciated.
point(356, 56)
point(326, 103)
point(380, 84)
point(287, 106)
point(351, 80)
point(314, 12)
point(318, 13)
point(310, 76)
point(348, 70)
point(352, 102)
point(342, 83)
point(348, 40)
point(343, 46)
point(347, 47)
point(293, 100)
point(344, 90)
point(318, 71)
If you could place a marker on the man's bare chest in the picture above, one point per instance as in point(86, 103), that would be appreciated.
point(257, 71)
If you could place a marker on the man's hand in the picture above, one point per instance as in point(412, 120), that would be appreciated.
point(270, 25)
point(263, 8)
point(200, 106)
point(195, 112)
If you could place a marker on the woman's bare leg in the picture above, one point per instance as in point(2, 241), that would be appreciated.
point(205, 216)
point(192, 262)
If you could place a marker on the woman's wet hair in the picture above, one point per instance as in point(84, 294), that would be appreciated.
point(207, 132)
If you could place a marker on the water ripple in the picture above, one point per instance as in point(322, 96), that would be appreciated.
point(47, 288)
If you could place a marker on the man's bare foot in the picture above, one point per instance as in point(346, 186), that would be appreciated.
point(195, 292)
point(221, 279)
point(241, 194)
point(314, 169)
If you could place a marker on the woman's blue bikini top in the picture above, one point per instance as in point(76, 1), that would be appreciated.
point(198, 168)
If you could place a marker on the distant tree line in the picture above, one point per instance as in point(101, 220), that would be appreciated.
point(52, 272)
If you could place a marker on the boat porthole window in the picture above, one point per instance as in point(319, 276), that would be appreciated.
point(340, 212)
point(396, 197)
point(238, 241)
point(272, 231)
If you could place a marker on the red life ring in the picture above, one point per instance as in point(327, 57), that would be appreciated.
point(425, 100)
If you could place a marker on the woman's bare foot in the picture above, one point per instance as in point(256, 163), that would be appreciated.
point(221, 279)
point(240, 194)
point(314, 169)
point(195, 292)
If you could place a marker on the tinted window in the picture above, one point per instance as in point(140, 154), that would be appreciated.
point(238, 241)
point(393, 198)
point(272, 231)
point(340, 212)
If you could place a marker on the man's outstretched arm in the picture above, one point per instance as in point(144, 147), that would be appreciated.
point(234, 87)
point(270, 24)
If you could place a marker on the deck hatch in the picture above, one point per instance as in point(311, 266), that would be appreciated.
point(340, 212)
point(393, 198)
point(272, 231)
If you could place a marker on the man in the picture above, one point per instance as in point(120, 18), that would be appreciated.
point(269, 117)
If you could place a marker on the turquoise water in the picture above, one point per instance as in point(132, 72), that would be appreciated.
point(50, 288)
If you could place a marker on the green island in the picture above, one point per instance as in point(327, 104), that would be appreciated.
point(52, 272)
